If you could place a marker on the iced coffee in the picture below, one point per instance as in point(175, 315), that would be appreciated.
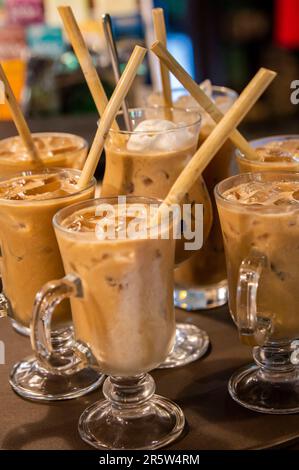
point(125, 314)
point(259, 216)
point(275, 153)
point(148, 160)
point(54, 149)
point(29, 250)
point(204, 273)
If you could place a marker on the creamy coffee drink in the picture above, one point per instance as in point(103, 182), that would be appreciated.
point(280, 152)
point(260, 221)
point(54, 149)
point(126, 313)
point(29, 250)
point(147, 161)
point(207, 266)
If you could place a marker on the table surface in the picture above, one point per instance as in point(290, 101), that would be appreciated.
point(214, 420)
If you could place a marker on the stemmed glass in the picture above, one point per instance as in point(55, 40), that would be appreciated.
point(121, 295)
point(201, 281)
point(29, 257)
point(147, 163)
point(259, 214)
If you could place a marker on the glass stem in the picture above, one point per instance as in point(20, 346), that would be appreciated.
point(277, 360)
point(62, 339)
point(129, 393)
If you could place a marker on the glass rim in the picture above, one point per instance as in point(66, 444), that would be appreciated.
point(269, 138)
point(83, 142)
point(218, 88)
point(49, 171)
point(282, 176)
point(173, 109)
point(59, 217)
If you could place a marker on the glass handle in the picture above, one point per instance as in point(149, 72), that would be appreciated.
point(254, 329)
point(75, 355)
point(4, 305)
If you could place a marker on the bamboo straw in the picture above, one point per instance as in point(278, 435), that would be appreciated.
point(112, 108)
point(212, 144)
point(19, 119)
point(91, 76)
point(199, 95)
point(160, 33)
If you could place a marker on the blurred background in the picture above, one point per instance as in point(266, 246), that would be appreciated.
point(225, 41)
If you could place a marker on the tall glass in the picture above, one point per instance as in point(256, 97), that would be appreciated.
point(147, 163)
point(201, 281)
point(29, 258)
point(56, 149)
point(121, 291)
point(276, 153)
point(259, 214)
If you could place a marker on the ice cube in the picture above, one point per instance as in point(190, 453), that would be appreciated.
point(284, 201)
point(61, 150)
point(258, 196)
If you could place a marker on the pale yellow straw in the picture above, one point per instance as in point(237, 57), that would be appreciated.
point(218, 136)
point(200, 96)
point(19, 120)
point(85, 60)
point(112, 108)
point(160, 34)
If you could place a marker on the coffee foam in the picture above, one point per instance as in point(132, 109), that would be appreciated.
point(149, 136)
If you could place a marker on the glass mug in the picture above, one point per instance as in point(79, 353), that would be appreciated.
point(121, 292)
point(259, 214)
point(277, 152)
point(56, 149)
point(201, 281)
point(30, 257)
point(147, 163)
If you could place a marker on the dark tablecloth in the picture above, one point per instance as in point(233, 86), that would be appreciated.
point(214, 420)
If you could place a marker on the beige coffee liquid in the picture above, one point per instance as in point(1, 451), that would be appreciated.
point(151, 173)
point(265, 220)
point(280, 155)
point(126, 314)
point(54, 149)
point(207, 266)
point(30, 254)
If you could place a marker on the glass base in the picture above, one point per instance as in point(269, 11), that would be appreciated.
point(191, 343)
point(202, 297)
point(19, 328)
point(266, 393)
point(132, 417)
point(31, 380)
